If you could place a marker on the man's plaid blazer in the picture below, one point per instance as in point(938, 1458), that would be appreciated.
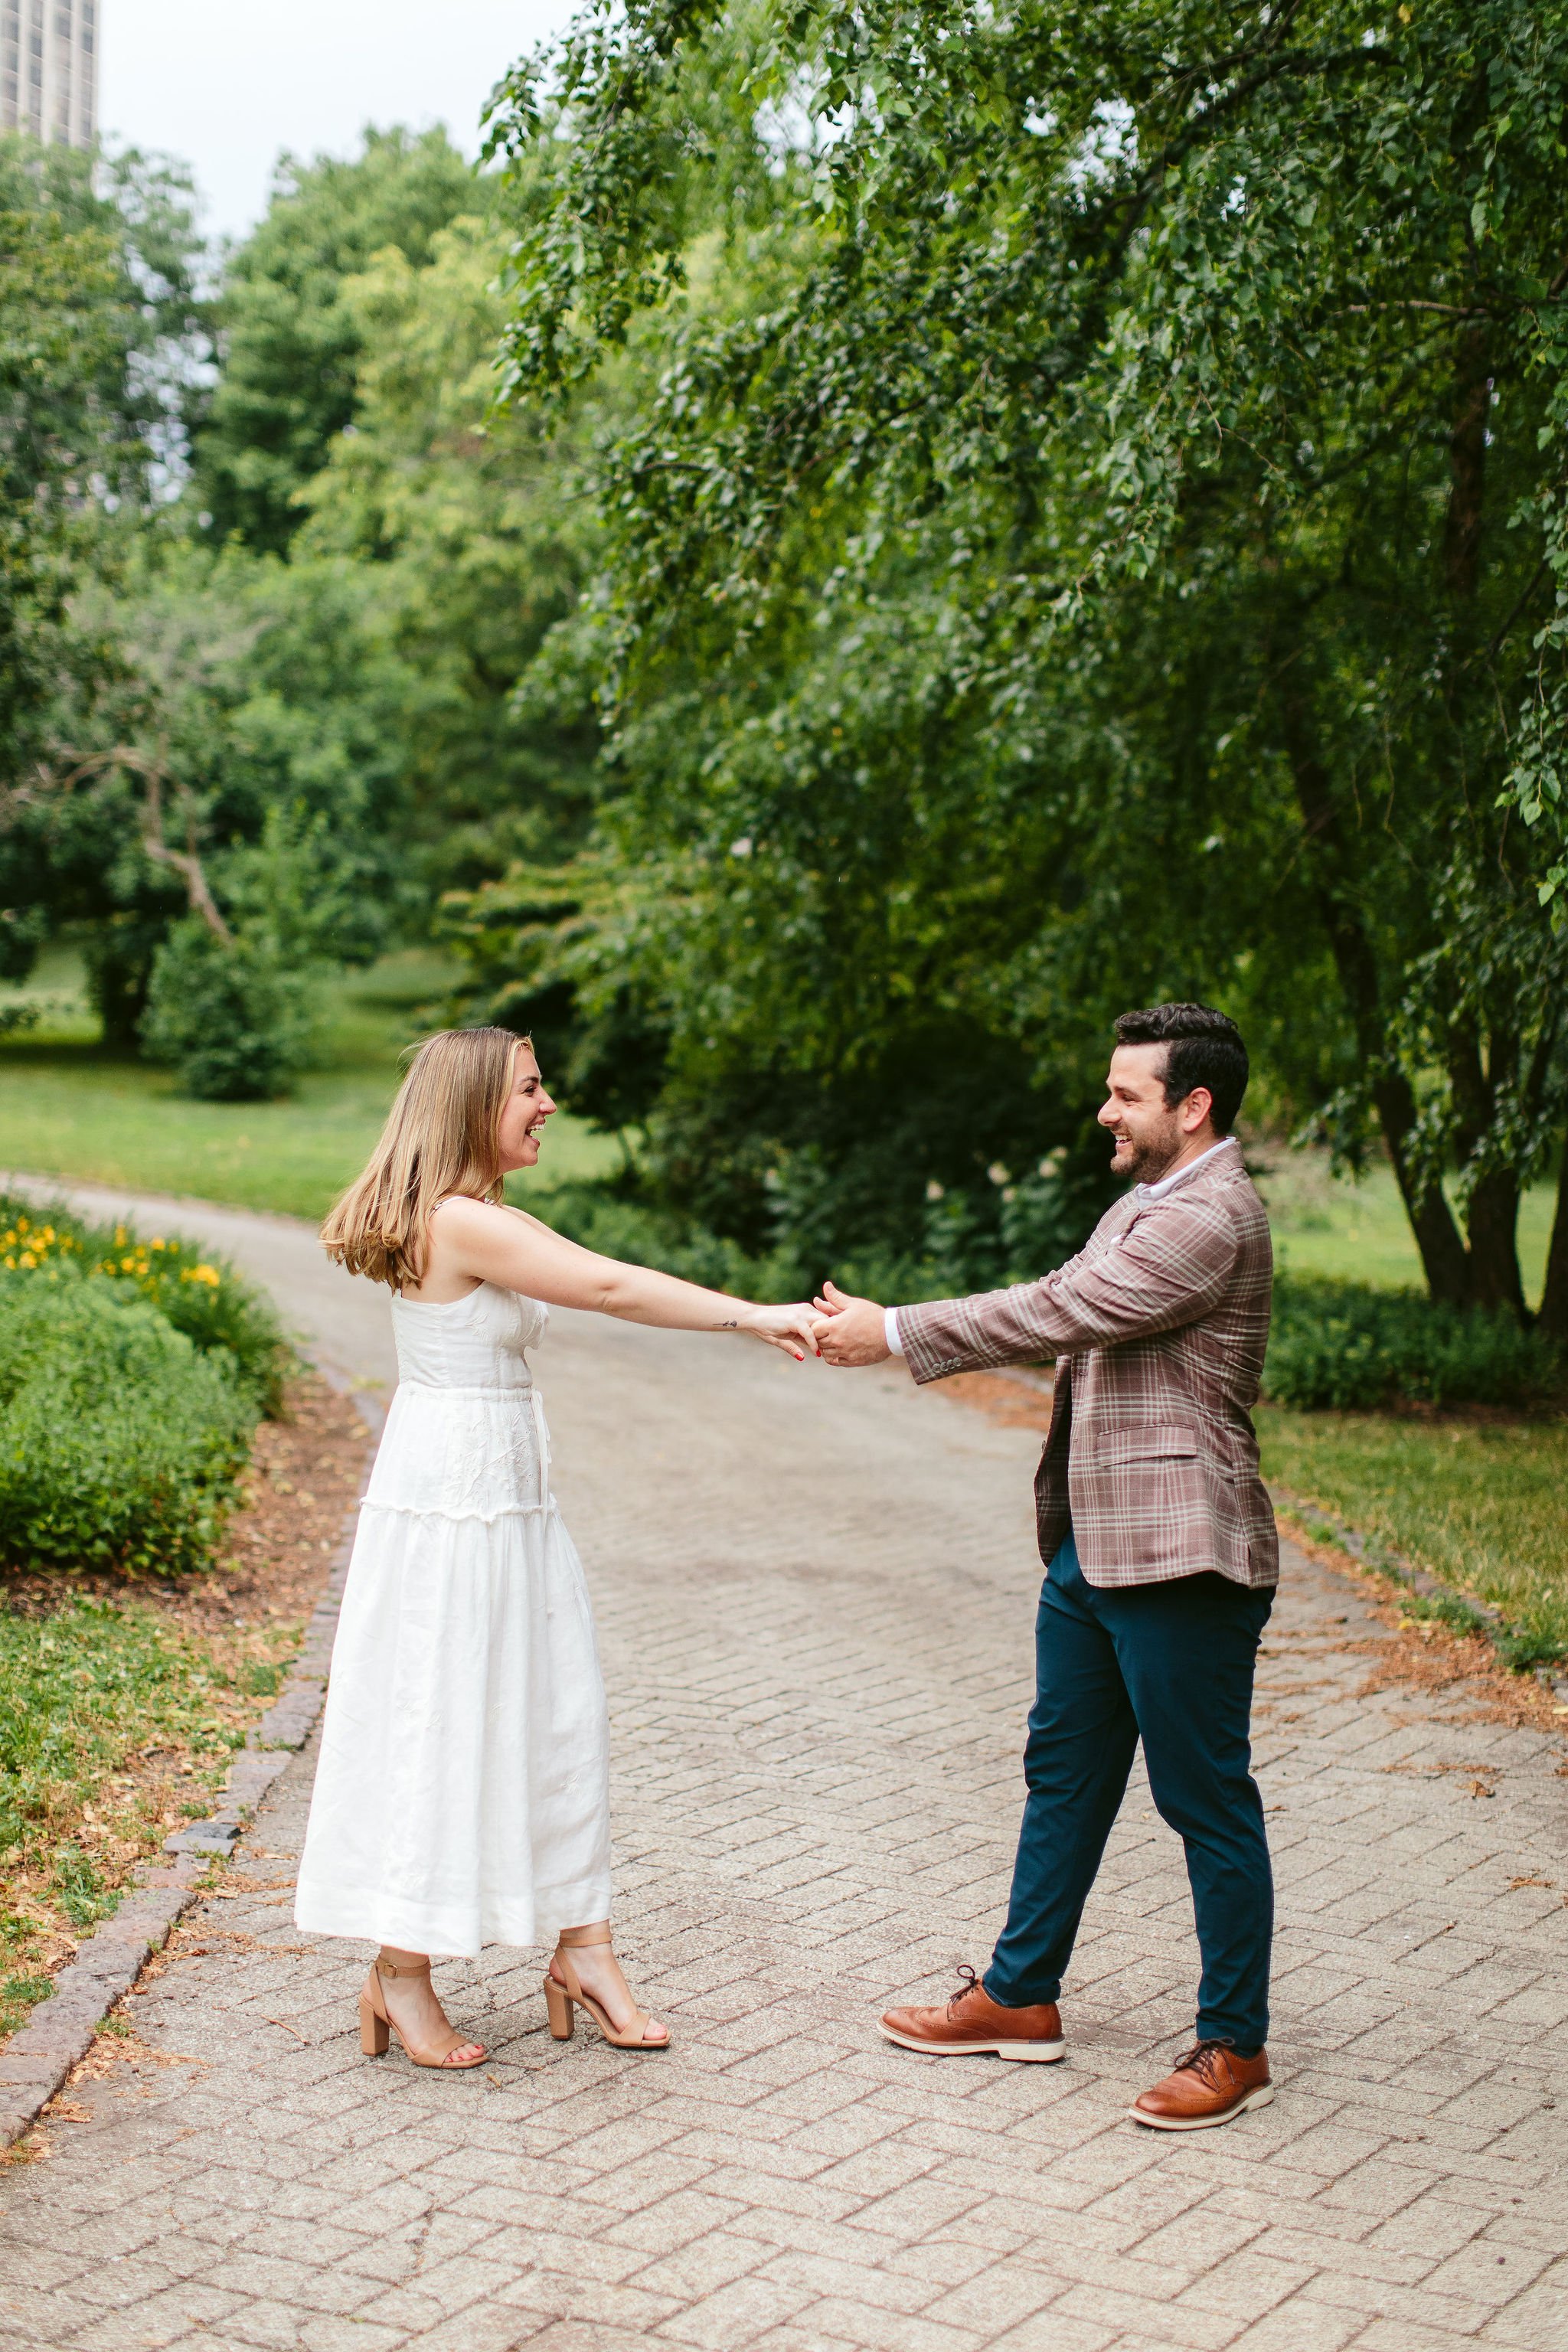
point(1158, 1326)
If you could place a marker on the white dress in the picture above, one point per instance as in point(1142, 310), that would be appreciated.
point(462, 1796)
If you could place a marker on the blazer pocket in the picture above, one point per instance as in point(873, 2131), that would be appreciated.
point(1159, 1444)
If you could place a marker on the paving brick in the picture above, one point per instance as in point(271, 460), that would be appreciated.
point(332, 2333)
point(871, 2328)
point(1535, 2320)
point(1484, 2271)
point(703, 2267)
point(816, 1758)
point(1157, 2319)
point(1001, 2297)
point(1410, 2335)
point(482, 2328)
point(1296, 2326)
point(1054, 2330)
point(734, 2315)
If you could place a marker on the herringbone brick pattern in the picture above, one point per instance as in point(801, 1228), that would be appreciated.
point(815, 1593)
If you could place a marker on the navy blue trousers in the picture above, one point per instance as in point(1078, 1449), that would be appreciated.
point(1171, 1663)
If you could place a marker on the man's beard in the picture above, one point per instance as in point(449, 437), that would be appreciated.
point(1149, 1162)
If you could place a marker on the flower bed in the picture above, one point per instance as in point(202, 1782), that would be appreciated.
point(132, 1375)
point(201, 1296)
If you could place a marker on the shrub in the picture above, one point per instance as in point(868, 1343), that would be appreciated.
point(1349, 1346)
point(233, 1022)
point(201, 1297)
point(119, 1442)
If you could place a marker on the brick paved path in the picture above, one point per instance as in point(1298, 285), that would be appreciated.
point(815, 1593)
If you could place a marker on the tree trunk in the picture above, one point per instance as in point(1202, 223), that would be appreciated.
point(1493, 1227)
point(1438, 1238)
point(1467, 459)
point(1492, 1222)
point(1553, 1317)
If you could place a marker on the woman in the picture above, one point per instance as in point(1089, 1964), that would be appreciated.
point(462, 1793)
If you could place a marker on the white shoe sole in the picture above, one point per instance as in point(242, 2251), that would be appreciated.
point(1038, 2053)
point(1258, 2098)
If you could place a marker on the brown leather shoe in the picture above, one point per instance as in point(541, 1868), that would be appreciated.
point(973, 2025)
point(1210, 2086)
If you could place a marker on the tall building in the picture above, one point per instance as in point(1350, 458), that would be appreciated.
point(49, 70)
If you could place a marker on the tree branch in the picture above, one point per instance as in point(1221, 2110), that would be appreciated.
point(186, 863)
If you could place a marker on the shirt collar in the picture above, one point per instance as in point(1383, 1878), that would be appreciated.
point(1147, 1193)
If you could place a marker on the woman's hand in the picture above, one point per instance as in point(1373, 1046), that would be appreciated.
point(788, 1328)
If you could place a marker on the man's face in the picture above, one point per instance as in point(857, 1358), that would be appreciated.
point(1148, 1134)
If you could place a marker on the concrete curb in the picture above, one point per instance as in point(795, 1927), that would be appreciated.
point(62, 2029)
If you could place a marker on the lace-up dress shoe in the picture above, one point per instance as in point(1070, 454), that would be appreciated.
point(973, 2025)
point(1210, 2086)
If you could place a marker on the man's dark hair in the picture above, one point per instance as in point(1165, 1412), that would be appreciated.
point(1205, 1050)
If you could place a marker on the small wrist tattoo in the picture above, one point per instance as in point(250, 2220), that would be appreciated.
point(726, 1327)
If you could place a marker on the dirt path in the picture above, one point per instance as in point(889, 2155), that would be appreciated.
point(815, 1594)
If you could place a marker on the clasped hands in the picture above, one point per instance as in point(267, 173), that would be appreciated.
point(849, 1330)
point(835, 1327)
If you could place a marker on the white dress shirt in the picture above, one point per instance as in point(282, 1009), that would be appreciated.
point(1144, 1193)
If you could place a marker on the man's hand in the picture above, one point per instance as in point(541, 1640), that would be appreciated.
point(849, 1330)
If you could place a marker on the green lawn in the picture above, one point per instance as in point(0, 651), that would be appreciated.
point(69, 1109)
point(1479, 1505)
point(93, 1687)
point(1324, 1225)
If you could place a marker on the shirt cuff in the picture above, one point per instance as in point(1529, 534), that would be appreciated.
point(890, 1330)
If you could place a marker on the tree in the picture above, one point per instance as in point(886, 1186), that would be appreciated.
point(331, 727)
point(289, 340)
point(1137, 425)
point(97, 305)
point(473, 546)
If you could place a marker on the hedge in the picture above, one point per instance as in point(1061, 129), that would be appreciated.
point(1349, 1346)
point(121, 1442)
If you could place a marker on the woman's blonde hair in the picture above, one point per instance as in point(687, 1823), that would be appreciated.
point(442, 1136)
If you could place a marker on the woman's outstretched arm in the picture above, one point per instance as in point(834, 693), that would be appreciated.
point(488, 1243)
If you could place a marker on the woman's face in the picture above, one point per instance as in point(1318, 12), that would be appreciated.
point(523, 1119)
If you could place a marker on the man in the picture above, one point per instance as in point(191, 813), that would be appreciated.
point(1161, 1550)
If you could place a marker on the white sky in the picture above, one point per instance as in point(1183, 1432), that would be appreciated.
point(225, 85)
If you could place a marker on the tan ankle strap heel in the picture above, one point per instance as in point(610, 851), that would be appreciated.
point(562, 1993)
point(375, 2027)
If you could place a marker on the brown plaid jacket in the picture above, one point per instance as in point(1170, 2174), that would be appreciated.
point(1158, 1326)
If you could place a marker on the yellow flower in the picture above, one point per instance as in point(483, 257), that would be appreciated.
point(28, 1259)
point(207, 1274)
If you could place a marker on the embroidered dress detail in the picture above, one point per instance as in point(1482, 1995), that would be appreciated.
point(462, 1793)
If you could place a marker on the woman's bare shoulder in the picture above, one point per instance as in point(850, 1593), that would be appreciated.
point(525, 1217)
point(460, 1209)
point(462, 1220)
